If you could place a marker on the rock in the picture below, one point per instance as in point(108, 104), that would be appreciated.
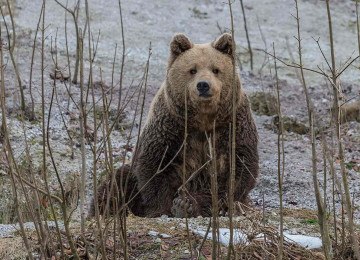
point(153, 233)
point(60, 75)
point(163, 235)
point(350, 112)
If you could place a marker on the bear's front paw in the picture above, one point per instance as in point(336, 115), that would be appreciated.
point(183, 207)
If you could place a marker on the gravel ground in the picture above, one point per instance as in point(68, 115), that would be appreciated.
point(156, 22)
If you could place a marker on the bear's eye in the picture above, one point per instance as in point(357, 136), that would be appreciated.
point(193, 71)
point(215, 71)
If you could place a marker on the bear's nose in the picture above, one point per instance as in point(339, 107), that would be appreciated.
point(203, 87)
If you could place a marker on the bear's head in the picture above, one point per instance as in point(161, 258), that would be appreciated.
point(204, 72)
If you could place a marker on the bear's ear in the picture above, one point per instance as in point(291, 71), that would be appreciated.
point(224, 43)
point(179, 44)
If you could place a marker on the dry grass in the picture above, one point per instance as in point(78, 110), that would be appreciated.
point(144, 246)
point(128, 238)
point(268, 248)
point(12, 248)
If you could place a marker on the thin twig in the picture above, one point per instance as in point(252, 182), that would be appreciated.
point(233, 140)
point(280, 143)
point(247, 36)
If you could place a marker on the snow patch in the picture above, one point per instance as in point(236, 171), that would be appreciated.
point(304, 241)
point(224, 236)
point(308, 242)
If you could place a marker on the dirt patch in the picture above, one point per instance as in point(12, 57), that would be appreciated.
point(12, 248)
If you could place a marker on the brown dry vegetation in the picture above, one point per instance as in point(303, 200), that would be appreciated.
point(72, 106)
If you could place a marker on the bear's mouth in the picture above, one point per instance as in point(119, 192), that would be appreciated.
point(205, 96)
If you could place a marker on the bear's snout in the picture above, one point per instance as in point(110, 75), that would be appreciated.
point(203, 87)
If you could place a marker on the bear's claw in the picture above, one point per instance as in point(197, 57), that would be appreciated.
point(182, 207)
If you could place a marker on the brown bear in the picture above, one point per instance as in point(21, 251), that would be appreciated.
point(195, 97)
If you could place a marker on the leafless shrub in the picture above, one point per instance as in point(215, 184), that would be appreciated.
point(95, 123)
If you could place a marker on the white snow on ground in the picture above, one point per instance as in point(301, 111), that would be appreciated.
point(241, 238)
point(224, 235)
point(304, 241)
point(7, 230)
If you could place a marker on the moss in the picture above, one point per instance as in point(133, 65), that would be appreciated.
point(310, 221)
point(290, 125)
point(263, 103)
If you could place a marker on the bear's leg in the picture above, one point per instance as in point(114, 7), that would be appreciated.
point(247, 170)
point(109, 198)
point(157, 200)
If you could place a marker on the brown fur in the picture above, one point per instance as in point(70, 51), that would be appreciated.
point(158, 160)
point(113, 204)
